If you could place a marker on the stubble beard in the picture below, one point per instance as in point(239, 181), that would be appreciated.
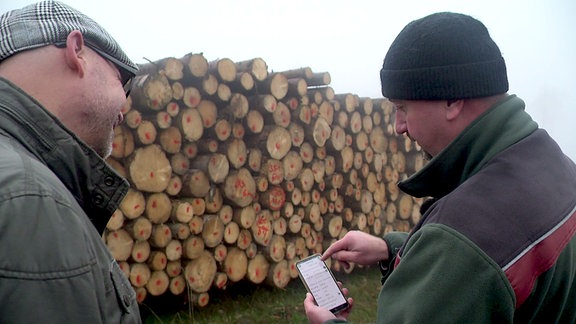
point(99, 127)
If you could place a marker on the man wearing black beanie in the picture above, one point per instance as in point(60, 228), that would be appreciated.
point(496, 241)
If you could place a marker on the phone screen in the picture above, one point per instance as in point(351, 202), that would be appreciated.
point(321, 283)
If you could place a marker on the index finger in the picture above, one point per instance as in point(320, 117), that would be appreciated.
point(335, 247)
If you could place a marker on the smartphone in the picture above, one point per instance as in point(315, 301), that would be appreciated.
point(320, 282)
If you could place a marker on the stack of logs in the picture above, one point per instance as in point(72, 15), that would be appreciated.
point(237, 173)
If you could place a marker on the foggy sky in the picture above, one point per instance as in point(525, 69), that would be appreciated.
point(350, 38)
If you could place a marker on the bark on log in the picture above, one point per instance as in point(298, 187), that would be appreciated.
point(196, 63)
point(256, 67)
point(320, 79)
point(216, 166)
point(224, 69)
point(195, 183)
point(151, 91)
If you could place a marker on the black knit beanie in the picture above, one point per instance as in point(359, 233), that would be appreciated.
point(443, 56)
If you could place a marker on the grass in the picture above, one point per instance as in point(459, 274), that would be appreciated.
point(244, 302)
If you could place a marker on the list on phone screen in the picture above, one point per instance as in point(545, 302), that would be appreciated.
point(321, 284)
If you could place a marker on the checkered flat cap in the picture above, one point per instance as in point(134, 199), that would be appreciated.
point(50, 22)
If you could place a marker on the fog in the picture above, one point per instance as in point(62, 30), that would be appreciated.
point(350, 38)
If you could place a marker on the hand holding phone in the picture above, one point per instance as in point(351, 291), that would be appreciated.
point(320, 282)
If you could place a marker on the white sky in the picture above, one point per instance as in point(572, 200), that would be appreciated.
point(350, 38)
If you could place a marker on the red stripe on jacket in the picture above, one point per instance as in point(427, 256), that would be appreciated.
point(539, 258)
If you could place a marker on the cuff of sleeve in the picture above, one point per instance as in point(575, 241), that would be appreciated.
point(394, 240)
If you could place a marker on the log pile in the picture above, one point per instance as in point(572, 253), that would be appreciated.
point(237, 173)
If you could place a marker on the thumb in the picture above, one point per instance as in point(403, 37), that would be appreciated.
point(309, 298)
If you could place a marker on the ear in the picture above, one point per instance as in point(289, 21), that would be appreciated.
point(75, 53)
point(453, 109)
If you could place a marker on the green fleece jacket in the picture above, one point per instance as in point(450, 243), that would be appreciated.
point(496, 243)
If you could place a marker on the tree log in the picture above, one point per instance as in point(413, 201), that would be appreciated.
point(151, 91)
point(140, 251)
point(262, 228)
point(257, 269)
point(200, 272)
point(236, 264)
point(196, 63)
point(149, 169)
point(278, 274)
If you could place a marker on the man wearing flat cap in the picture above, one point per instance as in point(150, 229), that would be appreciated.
point(496, 241)
point(63, 82)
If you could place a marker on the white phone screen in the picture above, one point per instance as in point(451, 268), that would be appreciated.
point(321, 284)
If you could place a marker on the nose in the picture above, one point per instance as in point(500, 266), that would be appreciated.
point(400, 122)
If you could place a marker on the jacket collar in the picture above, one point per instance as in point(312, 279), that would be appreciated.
point(503, 125)
point(97, 188)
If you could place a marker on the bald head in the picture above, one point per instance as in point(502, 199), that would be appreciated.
point(82, 89)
